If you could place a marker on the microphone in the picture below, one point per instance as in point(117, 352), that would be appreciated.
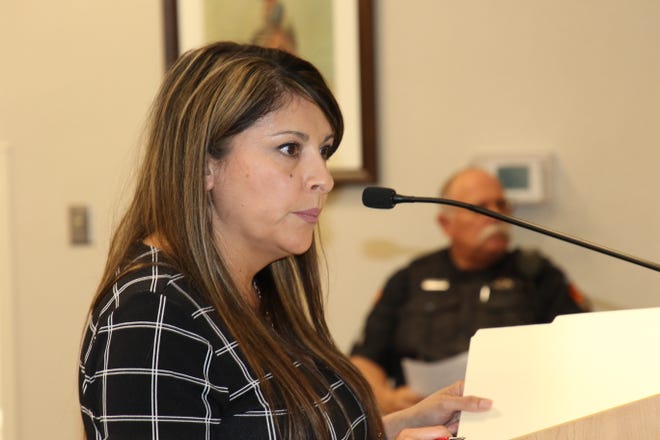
point(386, 198)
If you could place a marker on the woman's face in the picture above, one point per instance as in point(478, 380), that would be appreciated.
point(268, 192)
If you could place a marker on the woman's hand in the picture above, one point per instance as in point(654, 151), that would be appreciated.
point(425, 419)
point(396, 399)
point(428, 433)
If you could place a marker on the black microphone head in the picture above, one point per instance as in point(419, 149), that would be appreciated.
point(378, 197)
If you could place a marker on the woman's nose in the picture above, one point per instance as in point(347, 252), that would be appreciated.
point(320, 178)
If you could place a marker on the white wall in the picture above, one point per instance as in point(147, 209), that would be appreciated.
point(455, 79)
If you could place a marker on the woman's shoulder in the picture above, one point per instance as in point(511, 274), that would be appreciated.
point(154, 289)
point(146, 272)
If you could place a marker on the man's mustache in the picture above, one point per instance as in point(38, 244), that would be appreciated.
point(493, 229)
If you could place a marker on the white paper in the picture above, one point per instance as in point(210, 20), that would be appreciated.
point(427, 377)
point(543, 375)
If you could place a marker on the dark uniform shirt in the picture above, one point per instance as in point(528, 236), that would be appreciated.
point(430, 309)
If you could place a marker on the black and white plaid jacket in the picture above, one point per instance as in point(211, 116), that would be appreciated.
point(157, 363)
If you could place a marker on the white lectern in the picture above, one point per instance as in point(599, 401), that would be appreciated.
point(585, 376)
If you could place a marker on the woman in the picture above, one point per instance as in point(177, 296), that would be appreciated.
point(208, 321)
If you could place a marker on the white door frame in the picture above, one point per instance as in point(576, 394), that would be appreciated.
point(7, 347)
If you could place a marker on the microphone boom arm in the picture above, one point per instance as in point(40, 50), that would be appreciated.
point(531, 226)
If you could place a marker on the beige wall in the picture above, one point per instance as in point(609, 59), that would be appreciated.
point(76, 77)
point(456, 79)
point(459, 79)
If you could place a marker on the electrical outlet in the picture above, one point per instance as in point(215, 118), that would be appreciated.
point(79, 225)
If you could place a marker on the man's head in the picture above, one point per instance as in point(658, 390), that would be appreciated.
point(477, 241)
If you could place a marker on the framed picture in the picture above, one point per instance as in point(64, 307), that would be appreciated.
point(335, 35)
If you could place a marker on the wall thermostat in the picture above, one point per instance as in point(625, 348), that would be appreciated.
point(524, 177)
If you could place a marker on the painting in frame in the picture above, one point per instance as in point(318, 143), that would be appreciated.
point(335, 35)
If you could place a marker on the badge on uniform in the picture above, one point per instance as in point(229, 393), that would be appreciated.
point(435, 285)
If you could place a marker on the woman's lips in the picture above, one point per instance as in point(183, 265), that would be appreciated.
point(309, 215)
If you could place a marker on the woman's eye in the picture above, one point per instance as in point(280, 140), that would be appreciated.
point(290, 149)
point(327, 151)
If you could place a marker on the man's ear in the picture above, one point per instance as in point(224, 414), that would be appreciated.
point(444, 220)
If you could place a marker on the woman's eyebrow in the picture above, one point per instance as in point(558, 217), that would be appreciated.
point(302, 136)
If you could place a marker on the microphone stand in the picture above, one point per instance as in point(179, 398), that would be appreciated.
point(396, 198)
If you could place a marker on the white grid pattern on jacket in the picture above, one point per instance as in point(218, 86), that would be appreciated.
point(157, 363)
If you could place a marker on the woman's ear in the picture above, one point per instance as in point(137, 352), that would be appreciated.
point(210, 173)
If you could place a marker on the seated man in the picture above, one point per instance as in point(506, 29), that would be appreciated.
point(429, 310)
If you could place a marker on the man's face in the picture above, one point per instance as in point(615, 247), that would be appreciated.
point(476, 239)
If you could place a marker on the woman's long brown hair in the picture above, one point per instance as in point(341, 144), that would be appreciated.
point(208, 96)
